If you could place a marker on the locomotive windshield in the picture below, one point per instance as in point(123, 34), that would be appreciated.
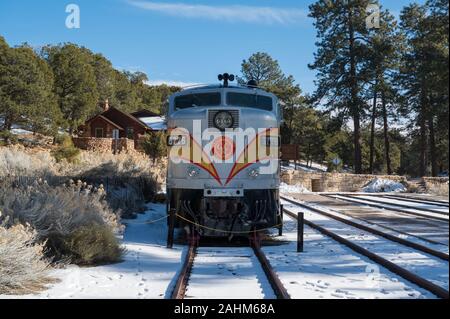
point(250, 100)
point(197, 100)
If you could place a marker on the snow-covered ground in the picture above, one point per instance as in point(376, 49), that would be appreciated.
point(424, 265)
point(329, 270)
point(387, 205)
point(146, 272)
point(301, 165)
point(326, 269)
point(293, 189)
point(228, 272)
point(414, 205)
point(380, 185)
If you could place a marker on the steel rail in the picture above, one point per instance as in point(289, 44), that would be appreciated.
point(402, 272)
point(414, 200)
point(431, 241)
point(181, 284)
point(275, 282)
point(422, 248)
point(183, 278)
point(374, 200)
point(371, 204)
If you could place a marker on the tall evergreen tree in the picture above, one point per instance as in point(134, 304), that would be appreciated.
point(75, 82)
point(266, 71)
point(424, 75)
point(26, 84)
point(341, 28)
point(384, 45)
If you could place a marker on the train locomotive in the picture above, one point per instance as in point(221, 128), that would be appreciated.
point(223, 172)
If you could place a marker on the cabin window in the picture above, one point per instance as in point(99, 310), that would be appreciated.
point(98, 132)
point(250, 100)
point(130, 133)
point(197, 100)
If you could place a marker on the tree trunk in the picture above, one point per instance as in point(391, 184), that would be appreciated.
point(423, 145)
point(372, 129)
point(386, 135)
point(423, 134)
point(354, 107)
point(433, 159)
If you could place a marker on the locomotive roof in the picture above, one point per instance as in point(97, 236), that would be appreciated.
point(220, 86)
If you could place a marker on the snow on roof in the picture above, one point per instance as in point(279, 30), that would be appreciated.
point(156, 123)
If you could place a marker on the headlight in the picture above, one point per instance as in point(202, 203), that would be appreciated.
point(253, 173)
point(192, 171)
point(269, 141)
point(223, 120)
point(176, 140)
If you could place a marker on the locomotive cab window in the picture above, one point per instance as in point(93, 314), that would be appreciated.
point(197, 100)
point(250, 100)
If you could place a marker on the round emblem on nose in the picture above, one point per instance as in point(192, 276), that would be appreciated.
point(223, 148)
point(223, 120)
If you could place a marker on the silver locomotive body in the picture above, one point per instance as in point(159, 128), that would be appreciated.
point(223, 171)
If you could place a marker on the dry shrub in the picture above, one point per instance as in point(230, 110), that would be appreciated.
point(23, 268)
point(66, 151)
point(94, 244)
point(15, 162)
point(56, 213)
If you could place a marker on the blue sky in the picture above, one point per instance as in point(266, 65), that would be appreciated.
point(186, 41)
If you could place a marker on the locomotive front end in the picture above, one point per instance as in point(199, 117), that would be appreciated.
point(223, 171)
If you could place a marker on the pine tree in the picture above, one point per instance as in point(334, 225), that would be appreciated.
point(424, 75)
point(341, 28)
point(26, 90)
point(75, 82)
point(384, 45)
point(266, 71)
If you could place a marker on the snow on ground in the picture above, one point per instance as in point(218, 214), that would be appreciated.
point(379, 185)
point(415, 205)
point(289, 189)
point(387, 206)
point(423, 265)
point(228, 272)
point(325, 270)
point(19, 131)
point(405, 232)
point(329, 270)
point(301, 165)
point(146, 272)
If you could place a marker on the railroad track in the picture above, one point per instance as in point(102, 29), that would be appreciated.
point(391, 266)
point(404, 197)
point(416, 200)
point(183, 278)
point(403, 203)
point(376, 232)
point(440, 216)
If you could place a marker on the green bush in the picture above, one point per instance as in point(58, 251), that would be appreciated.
point(91, 245)
point(154, 144)
point(6, 137)
point(66, 150)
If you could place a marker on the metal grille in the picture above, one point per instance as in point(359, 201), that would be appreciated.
point(234, 114)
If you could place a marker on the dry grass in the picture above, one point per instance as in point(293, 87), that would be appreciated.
point(23, 269)
point(47, 217)
point(57, 213)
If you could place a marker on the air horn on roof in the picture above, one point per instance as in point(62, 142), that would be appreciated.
point(225, 78)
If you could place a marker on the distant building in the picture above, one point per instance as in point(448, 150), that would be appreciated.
point(114, 127)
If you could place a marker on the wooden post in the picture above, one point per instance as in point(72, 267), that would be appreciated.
point(300, 228)
point(280, 227)
point(171, 230)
